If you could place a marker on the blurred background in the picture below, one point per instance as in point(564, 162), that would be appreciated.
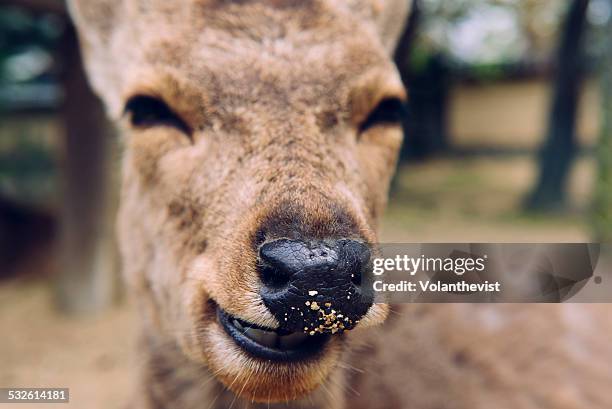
point(508, 139)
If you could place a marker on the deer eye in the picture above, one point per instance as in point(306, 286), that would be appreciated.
point(389, 111)
point(147, 112)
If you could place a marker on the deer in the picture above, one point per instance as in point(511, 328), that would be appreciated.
point(259, 140)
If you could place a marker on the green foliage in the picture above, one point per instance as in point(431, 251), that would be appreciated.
point(489, 72)
point(485, 39)
point(27, 167)
point(27, 43)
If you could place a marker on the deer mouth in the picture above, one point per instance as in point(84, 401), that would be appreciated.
point(272, 344)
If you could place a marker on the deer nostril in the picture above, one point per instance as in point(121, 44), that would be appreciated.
point(356, 278)
point(272, 277)
point(275, 264)
point(358, 257)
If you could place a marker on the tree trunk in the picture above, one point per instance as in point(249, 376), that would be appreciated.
point(559, 149)
point(88, 278)
point(426, 117)
point(425, 121)
point(406, 41)
point(602, 206)
point(426, 124)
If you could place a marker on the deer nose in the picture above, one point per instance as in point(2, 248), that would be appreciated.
point(315, 286)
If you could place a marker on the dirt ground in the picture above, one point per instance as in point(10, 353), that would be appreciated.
point(41, 348)
point(479, 200)
point(443, 200)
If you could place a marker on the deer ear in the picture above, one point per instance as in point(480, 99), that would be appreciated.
point(391, 19)
point(95, 21)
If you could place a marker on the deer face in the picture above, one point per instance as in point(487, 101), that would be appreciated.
point(260, 138)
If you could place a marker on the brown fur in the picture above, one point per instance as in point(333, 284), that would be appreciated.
point(274, 92)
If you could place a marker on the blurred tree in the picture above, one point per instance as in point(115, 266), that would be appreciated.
point(23, 230)
point(87, 280)
point(480, 40)
point(475, 32)
point(559, 148)
point(602, 206)
point(425, 122)
point(538, 23)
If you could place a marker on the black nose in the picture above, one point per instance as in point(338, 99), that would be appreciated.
point(315, 287)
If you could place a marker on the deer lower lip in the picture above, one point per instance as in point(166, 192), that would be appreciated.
point(270, 344)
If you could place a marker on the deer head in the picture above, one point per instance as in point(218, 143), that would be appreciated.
point(260, 138)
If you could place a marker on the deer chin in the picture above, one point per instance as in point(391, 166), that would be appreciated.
point(265, 364)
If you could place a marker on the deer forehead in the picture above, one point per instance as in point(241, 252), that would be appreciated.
point(323, 76)
point(236, 44)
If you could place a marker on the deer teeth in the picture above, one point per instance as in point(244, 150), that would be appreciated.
point(271, 339)
point(237, 324)
point(293, 340)
point(265, 338)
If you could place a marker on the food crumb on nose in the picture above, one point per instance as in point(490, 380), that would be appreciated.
point(313, 292)
point(314, 306)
